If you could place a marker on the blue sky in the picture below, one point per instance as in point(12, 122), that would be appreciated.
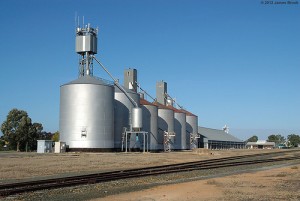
point(229, 62)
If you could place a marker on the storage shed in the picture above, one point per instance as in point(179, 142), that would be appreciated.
point(60, 147)
point(44, 146)
point(260, 144)
point(218, 139)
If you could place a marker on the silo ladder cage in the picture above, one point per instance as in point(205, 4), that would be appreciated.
point(167, 140)
point(193, 139)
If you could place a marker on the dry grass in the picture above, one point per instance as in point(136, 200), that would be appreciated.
point(213, 182)
point(282, 174)
point(16, 165)
point(20, 165)
point(26, 165)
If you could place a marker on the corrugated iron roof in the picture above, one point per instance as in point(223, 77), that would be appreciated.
point(174, 109)
point(145, 102)
point(188, 113)
point(217, 135)
point(160, 106)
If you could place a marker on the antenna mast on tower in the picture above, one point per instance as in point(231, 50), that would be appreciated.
point(86, 47)
point(226, 129)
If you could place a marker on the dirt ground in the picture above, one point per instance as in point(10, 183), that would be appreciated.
point(273, 184)
point(15, 166)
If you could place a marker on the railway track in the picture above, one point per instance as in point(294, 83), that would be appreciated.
point(14, 188)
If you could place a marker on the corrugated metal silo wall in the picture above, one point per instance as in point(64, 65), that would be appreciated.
point(180, 130)
point(150, 117)
point(123, 108)
point(89, 109)
point(165, 123)
point(191, 127)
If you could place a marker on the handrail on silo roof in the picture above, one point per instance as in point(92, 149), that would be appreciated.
point(104, 80)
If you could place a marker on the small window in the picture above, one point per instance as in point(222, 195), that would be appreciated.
point(83, 133)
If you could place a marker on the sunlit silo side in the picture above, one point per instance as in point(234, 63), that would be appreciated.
point(180, 130)
point(179, 142)
point(165, 123)
point(192, 123)
point(123, 110)
point(191, 128)
point(150, 115)
point(87, 114)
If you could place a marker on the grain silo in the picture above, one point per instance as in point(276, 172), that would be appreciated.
point(87, 103)
point(165, 117)
point(180, 129)
point(123, 110)
point(192, 129)
point(179, 142)
point(150, 121)
point(165, 127)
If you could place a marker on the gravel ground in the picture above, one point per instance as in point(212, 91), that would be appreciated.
point(280, 183)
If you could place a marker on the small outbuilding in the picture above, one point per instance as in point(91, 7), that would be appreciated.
point(44, 146)
point(260, 144)
point(60, 147)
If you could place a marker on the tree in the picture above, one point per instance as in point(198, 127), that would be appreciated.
point(2, 142)
point(254, 138)
point(45, 135)
point(34, 133)
point(294, 140)
point(278, 139)
point(55, 137)
point(18, 130)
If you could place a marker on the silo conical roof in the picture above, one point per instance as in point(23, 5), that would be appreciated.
point(89, 80)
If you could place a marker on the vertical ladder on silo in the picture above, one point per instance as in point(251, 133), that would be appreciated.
point(123, 138)
point(193, 137)
point(167, 145)
point(167, 140)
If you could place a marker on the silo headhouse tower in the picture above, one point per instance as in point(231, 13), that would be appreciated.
point(86, 120)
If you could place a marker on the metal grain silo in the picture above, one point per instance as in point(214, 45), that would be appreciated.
point(150, 115)
point(87, 114)
point(123, 110)
point(191, 128)
point(165, 123)
point(180, 130)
